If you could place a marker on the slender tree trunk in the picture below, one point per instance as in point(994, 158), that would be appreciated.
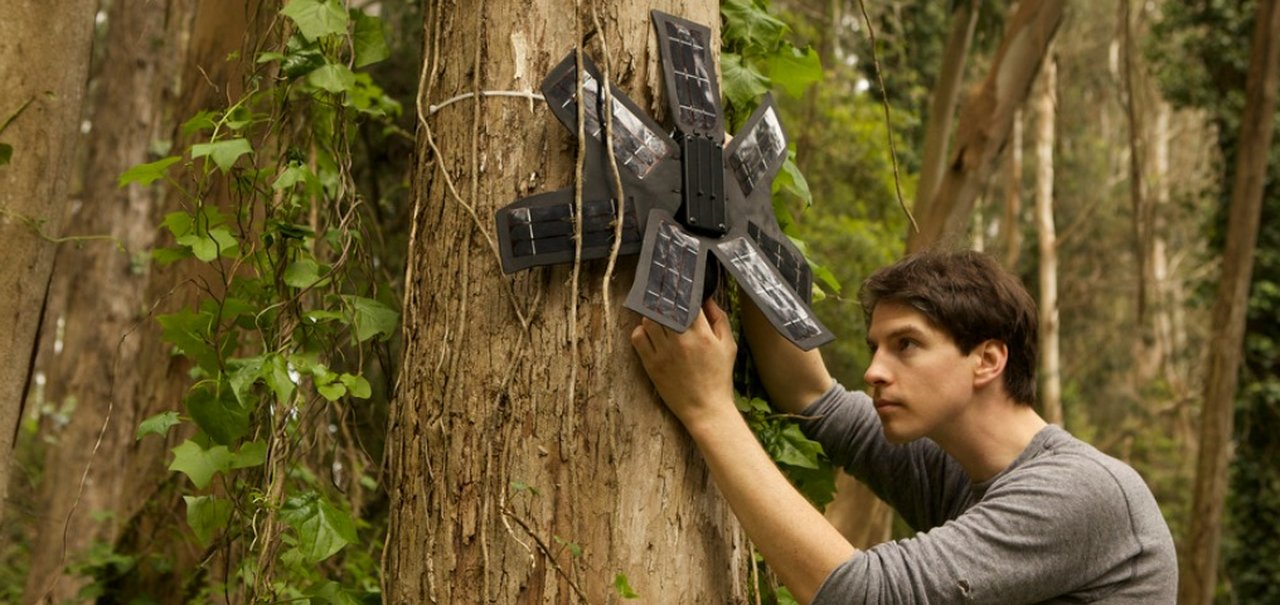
point(1164, 294)
point(529, 459)
point(1050, 394)
point(44, 61)
point(964, 19)
point(1200, 565)
point(97, 297)
point(1010, 223)
point(1134, 97)
point(985, 122)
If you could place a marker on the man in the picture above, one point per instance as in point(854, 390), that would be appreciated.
point(1009, 509)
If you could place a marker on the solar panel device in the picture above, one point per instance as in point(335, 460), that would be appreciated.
point(690, 201)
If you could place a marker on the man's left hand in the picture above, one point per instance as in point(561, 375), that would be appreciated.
point(693, 371)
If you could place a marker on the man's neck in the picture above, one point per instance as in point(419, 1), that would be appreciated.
point(989, 436)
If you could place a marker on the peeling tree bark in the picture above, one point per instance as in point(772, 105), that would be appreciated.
point(1198, 579)
point(509, 484)
point(985, 122)
point(44, 61)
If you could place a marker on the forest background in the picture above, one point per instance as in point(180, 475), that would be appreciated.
point(258, 348)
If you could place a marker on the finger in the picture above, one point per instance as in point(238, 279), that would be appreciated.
point(701, 323)
point(718, 319)
point(714, 313)
point(656, 332)
point(640, 339)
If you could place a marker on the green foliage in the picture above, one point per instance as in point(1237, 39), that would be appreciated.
point(158, 424)
point(317, 18)
point(623, 587)
point(321, 528)
point(753, 42)
point(755, 55)
point(912, 37)
point(282, 345)
point(800, 459)
point(145, 174)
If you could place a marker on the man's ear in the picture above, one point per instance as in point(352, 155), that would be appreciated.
point(991, 356)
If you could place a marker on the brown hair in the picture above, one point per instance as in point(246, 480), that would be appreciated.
point(973, 299)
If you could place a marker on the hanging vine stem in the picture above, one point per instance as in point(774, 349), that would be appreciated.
point(579, 161)
point(888, 123)
point(523, 94)
point(614, 176)
point(453, 192)
point(546, 552)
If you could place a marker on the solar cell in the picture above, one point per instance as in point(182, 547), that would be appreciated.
point(692, 89)
point(636, 145)
point(542, 231)
point(780, 304)
point(793, 267)
point(757, 153)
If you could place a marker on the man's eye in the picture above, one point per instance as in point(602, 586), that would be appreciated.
point(907, 344)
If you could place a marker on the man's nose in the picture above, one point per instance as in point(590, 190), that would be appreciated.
point(876, 373)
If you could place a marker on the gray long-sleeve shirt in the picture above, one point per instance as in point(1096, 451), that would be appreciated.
point(1064, 523)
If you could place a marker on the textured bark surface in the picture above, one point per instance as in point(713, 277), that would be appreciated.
point(1198, 579)
point(986, 120)
point(44, 61)
point(489, 404)
point(97, 296)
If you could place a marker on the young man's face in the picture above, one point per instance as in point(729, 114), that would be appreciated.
point(918, 377)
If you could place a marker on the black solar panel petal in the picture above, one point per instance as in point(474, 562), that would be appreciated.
point(692, 89)
point(636, 145)
point(789, 262)
point(669, 290)
point(759, 150)
point(542, 232)
point(788, 313)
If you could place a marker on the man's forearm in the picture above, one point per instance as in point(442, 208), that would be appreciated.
point(797, 542)
point(793, 378)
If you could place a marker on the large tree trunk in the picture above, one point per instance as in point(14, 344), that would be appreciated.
point(97, 297)
point(529, 459)
point(985, 122)
point(1050, 375)
point(44, 61)
point(1200, 564)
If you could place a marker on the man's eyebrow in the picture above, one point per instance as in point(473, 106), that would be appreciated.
point(907, 330)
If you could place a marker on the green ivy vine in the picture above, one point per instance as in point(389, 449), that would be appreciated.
point(757, 56)
point(286, 334)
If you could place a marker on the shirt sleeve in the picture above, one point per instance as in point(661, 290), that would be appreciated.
point(918, 479)
point(1049, 529)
